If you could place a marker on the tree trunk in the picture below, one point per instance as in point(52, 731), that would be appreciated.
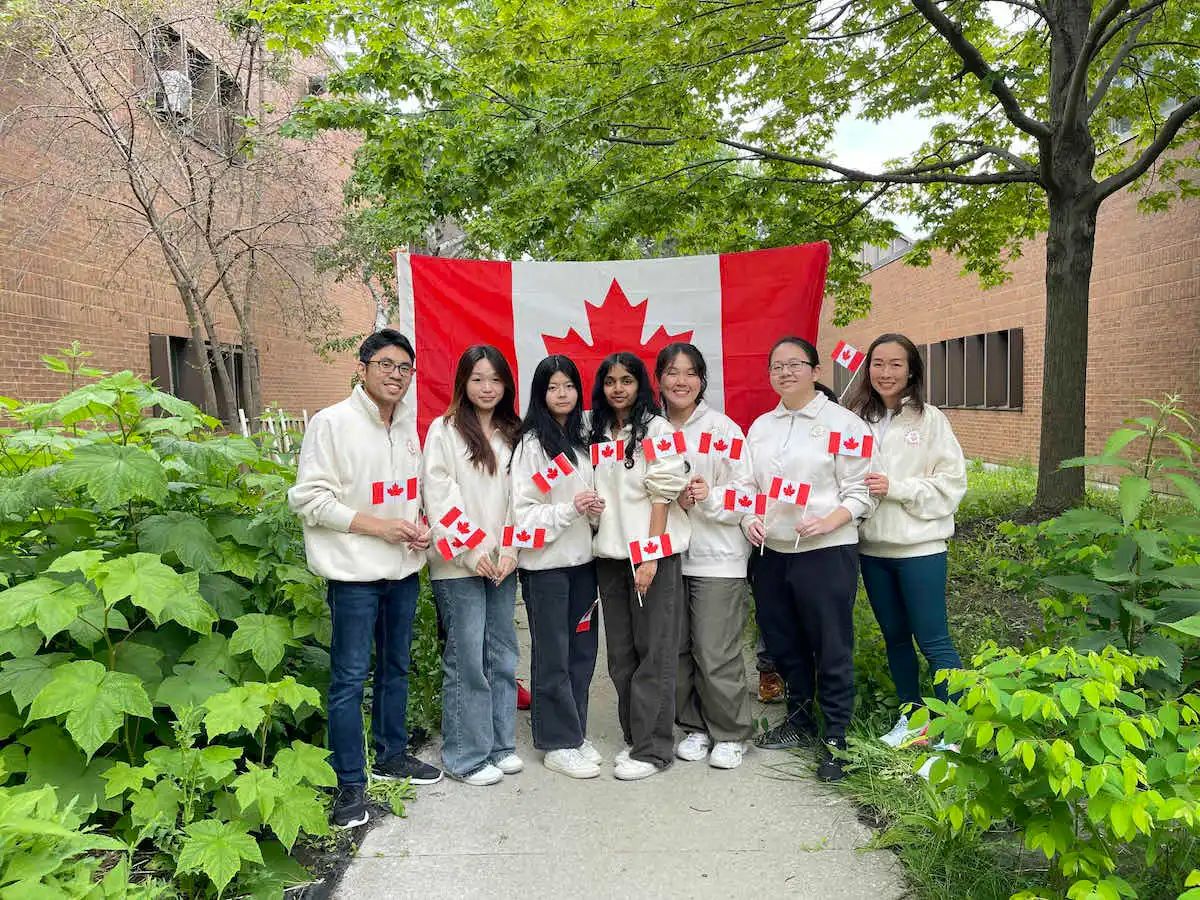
point(227, 410)
point(206, 377)
point(1070, 242)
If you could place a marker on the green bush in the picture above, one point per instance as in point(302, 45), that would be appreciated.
point(162, 642)
point(1090, 767)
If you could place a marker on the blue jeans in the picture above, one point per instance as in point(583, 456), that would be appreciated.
point(909, 599)
point(479, 670)
point(362, 610)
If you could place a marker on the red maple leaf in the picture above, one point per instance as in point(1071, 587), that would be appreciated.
point(744, 500)
point(650, 547)
point(616, 324)
point(456, 543)
point(850, 443)
point(720, 445)
point(789, 489)
point(664, 444)
point(464, 527)
point(395, 490)
point(846, 354)
point(607, 451)
point(552, 473)
point(523, 536)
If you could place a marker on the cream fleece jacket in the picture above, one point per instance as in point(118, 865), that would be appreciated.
point(346, 449)
point(794, 444)
point(568, 534)
point(629, 493)
point(927, 477)
point(452, 480)
point(718, 549)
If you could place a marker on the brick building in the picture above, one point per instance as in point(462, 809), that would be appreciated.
point(983, 348)
point(72, 267)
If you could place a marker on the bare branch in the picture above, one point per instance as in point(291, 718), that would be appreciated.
point(975, 64)
point(1153, 151)
point(1106, 80)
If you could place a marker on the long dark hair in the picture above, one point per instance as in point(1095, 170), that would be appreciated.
point(813, 357)
point(645, 407)
point(554, 438)
point(462, 412)
point(866, 403)
point(667, 355)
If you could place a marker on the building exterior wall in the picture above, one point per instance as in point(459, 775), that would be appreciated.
point(67, 272)
point(1144, 323)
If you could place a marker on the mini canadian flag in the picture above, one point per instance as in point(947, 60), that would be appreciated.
point(607, 451)
point(789, 491)
point(650, 548)
point(730, 448)
point(661, 447)
point(530, 539)
point(851, 444)
point(559, 468)
point(744, 501)
point(585, 624)
point(850, 357)
point(392, 491)
point(464, 535)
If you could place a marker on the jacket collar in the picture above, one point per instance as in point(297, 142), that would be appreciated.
point(810, 410)
point(362, 400)
point(698, 413)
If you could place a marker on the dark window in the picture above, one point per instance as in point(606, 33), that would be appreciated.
point(175, 367)
point(980, 371)
point(973, 366)
point(955, 376)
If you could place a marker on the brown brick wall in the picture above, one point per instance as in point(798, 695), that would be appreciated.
point(1144, 324)
point(67, 273)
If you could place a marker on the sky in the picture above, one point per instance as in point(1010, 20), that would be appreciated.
point(867, 146)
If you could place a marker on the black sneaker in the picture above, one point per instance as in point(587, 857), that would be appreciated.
point(786, 736)
point(831, 766)
point(350, 806)
point(406, 766)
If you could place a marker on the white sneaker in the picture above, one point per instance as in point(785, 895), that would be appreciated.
point(481, 777)
point(899, 734)
point(622, 756)
point(510, 764)
point(927, 766)
point(590, 753)
point(630, 769)
point(727, 755)
point(694, 747)
point(570, 762)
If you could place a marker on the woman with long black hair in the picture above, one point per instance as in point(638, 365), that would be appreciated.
point(551, 501)
point(466, 494)
point(641, 589)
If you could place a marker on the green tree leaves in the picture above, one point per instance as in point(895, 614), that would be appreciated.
point(94, 700)
point(264, 637)
point(185, 535)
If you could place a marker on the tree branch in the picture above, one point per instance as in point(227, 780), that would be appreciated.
point(934, 173)
point(1155, 149)
point(975, 64)
point(1114, 66)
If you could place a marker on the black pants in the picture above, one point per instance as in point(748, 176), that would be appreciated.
point(563, 659)
point(805, 605)
point(643, 650)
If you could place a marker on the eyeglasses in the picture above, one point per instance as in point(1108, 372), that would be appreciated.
point(387, 367)
point(791, 366)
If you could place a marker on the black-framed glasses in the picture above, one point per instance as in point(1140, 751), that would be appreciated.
point(791, 366)
point(387, 367)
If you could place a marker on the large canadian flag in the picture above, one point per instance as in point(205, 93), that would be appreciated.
point(732, 306)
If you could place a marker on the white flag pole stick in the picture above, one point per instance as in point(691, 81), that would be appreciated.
point(633, 569)
point(849, 383)
point(803, 513)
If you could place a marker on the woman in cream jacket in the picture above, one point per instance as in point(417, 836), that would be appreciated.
point(552, 499)
point(641, 599)
point(712, 699)
point(467, 502)
point(919, 478)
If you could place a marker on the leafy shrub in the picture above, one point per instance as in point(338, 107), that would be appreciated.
point(162, 643)
point(1090, 767)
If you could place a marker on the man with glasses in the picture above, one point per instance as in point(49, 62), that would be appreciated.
point(357, 492)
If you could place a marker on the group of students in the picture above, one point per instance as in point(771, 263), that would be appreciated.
point(654, 506)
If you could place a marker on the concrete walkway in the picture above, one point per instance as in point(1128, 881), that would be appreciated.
point(767, 829)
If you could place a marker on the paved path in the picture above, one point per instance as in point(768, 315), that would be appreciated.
point(767, 829)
